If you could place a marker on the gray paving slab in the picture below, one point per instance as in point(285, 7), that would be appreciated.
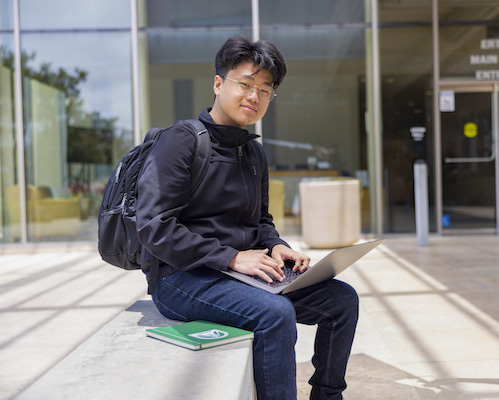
point(428, 328)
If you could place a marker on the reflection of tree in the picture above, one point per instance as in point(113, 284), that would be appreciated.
point(93, 142)
point(59, 79)
point(90, 145)
point(90, 137)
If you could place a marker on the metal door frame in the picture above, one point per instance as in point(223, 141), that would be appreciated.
point(438, 86)
point(466, 86)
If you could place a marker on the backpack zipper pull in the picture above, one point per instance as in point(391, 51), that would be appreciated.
point(122, 205)
point(118, 170)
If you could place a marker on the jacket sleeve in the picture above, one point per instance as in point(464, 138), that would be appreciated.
point(268, 233)
point(164, 190)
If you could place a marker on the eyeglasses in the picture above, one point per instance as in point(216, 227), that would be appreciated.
point(245, 88)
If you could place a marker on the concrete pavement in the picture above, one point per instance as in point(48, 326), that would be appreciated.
point(428, 328)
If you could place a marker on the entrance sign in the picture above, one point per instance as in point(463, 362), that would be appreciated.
point(483, 59)
point(489, 44)
point(488, 74)
point(487, 57)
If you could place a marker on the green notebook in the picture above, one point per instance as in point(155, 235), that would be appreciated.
point(197, 335)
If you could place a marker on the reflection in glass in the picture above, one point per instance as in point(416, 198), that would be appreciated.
point(416, 11)
point(465, 10)
point(6, 15)
point(74, 14)
point(77, 111)
point(177, 52)
point(180, 71)
point(9, 207)
point(468, 189)
point(406, 68)
point(477, 52)
point(312, 12)
point(312, 129)
point(198, 14)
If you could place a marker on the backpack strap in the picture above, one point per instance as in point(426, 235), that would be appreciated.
point(153, 133)
point(200, 165)
point(203, 151)
point(153, 276)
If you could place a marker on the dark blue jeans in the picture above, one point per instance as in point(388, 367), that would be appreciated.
point(332, 305)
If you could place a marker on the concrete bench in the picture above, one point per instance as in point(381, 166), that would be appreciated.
point(121, 362)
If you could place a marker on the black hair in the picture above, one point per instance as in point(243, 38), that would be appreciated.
point(239, 49)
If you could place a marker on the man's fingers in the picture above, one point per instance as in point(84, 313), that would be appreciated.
point(270, 274)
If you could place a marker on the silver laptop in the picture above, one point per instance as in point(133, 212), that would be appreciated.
point(331, 265)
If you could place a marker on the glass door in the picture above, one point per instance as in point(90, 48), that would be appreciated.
point(468, 137)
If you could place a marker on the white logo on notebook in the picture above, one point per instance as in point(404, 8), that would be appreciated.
point(210, 335)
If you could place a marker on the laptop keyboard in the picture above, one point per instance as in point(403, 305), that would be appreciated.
point(289, 276)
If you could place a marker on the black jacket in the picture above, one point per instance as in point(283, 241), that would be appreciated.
point(226, 214)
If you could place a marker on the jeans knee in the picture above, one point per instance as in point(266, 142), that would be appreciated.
point(351, 294)
point(280, 316)
point(342, 302)
point(350, 302)
point(288, 314)
point(350, 298)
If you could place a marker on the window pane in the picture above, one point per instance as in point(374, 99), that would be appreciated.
point(406, 70)
point(78, 123)
point(74, 14)
point(405, 11)
point(465, 10)
point(9, 192)
point(311, 12)
point(177, 56)
point(6, 15)
point(318, 101)
point(312, 129)
point(469, 49)
point(184, 14)
point(469, 52)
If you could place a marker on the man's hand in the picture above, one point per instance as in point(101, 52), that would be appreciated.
point(258, 263)
point(282, 253)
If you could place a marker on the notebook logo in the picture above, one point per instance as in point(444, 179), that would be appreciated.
point(212, 334)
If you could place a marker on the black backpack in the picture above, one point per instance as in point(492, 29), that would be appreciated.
point(119, 244)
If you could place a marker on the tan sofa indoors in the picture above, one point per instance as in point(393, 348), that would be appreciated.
point(46, 216)
point(330, 212)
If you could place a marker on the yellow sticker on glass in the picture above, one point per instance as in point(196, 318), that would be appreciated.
point(470, 130)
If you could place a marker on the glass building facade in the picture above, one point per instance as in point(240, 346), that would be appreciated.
point(372, 87)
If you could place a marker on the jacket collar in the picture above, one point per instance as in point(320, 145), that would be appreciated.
point(225, 134)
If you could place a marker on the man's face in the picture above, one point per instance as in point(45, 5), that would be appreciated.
point(233, 108)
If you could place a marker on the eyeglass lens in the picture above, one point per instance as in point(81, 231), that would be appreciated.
point(246, 88)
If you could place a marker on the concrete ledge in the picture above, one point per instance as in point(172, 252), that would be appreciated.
point(120, 362)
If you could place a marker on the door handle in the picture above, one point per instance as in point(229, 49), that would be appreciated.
point(450, 160)
point(492, 157)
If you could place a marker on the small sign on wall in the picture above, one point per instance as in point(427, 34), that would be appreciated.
point(447, 102)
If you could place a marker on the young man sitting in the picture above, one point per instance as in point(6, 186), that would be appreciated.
point(225, 224)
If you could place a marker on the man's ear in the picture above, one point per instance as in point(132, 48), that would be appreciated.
point(217, 82)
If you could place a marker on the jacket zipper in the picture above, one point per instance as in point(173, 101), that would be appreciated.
point(253, 168)
point(245, 183)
